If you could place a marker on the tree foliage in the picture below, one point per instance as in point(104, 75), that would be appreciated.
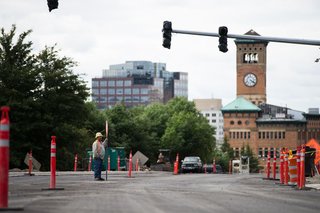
point(45, 98)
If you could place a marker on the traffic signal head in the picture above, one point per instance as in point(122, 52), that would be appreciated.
point(52, 4)
point(223, 40)
point(167, 30)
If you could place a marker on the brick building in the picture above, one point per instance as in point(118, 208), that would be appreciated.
point(249, 120)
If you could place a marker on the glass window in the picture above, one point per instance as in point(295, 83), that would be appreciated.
point(127, 98)
point(135, 98)
point(248, 135)
point(95, 91)
point(103, 91)
point(127, 83)
point(119, 83)
point(231, 122)
point(119, 91)
point(207, 114)
point(103, 83)
point(111, 99)
point(111, 91)
point(213, 114)
point(127, 91)
point(144, 99)
point(144, 91)
point(135, 91)
point(260, 153)
point(95, 83)
point(111, 83)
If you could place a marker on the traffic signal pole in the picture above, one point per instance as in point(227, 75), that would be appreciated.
point(252, 37)
point(168, 28)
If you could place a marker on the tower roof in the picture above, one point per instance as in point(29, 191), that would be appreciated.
point(246, 41)
point(240, 105)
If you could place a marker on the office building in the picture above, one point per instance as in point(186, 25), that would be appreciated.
point(137, 83)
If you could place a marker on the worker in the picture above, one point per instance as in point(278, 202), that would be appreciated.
point(98, 151)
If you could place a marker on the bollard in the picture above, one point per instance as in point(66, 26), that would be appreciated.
point(281, 167)
point(53, 166)
point(137, 164)
point(4, 156)
point(285, 168)
point(274, 163)
point(176, 165)
point(108, 163)
point(4, 160)
point(130, 164)
point(30, 164)
point(53, 163)
point(90, 162)
point(118, 162)
point(268, 165)
point(75, 162)
point(298, 166)
point(302, 168)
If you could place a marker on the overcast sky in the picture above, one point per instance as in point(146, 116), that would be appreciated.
point(99, 33)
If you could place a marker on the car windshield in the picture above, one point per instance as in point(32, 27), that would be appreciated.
point(188, 159)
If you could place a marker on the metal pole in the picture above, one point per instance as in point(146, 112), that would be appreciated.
point(252, 37)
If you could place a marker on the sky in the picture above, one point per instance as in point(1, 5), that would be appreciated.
point(100, 33)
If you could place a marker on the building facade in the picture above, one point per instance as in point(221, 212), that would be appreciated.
point(249, 120)
point(137, 83)
point(211, 109)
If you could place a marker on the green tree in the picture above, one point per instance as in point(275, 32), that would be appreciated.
point(45, 98)
point(187, 132)
point(254, 163)
point(224, 155)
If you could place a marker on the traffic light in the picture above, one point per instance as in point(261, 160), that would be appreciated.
point(167, 29)
point(52, 4)
point(223, 40)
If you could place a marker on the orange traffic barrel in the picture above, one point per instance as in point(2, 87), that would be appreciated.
point(293, 175)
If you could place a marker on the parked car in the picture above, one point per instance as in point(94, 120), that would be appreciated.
point(208, 168)
point(191, 164)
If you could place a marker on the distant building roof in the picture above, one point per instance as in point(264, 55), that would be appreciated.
point(240, 104)
point(251, 33)
point(208, 104)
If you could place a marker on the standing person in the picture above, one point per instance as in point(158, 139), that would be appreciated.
point(98, 151)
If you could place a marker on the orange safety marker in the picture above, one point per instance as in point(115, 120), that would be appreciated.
point(4, 159)
point(274, 163)
point(302, 168)
point(30, 165)
point(286, 171)
point(4, 156)
point(90, 162)
point(108, 163)
point(281, 167)
point(268, 165)
point(118, 162)
point(137, 164)
point(176, 165)
point(298, 166)
point(292, 170)
point(53, 165)
point(130, 164)
point(75, 162)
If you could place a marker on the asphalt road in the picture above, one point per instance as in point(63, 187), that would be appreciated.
point(158, 192)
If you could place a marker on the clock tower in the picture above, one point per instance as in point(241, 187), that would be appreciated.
point(251, 69)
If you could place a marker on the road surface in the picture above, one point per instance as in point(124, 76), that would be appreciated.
point(158, 192)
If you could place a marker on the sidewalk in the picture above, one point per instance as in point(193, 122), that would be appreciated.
point(313, 182)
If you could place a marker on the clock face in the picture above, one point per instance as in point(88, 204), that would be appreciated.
point(250, 80)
